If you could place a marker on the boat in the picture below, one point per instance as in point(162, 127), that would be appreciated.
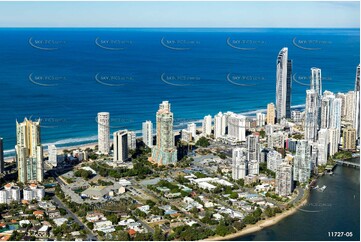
point(316, 187)
point(322, 188)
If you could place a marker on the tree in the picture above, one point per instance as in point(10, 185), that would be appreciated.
point(202, 142)
point(90, 225)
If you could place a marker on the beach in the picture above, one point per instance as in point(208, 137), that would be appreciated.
point(262, 223)
point(59, 150)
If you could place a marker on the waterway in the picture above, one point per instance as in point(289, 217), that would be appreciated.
point(336, 209)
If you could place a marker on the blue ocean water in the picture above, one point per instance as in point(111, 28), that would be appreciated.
point(67, 76)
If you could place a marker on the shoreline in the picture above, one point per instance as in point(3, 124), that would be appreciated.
point(9, 159)
point(261, 224)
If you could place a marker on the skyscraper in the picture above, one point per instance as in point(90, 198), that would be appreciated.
point(274, 159)
point(132, 140)
point(1, 156)
point(311, 115)
point(350, 106)
point(29, 152)
point(333, 139)
point(302, 162)
point(53, 155)
point(192, 127)
point(271, 113)
point(356, 120)
point(261, 118)
point(252, 152)
point(349, 138)
point(323, 141)
point(237, 127)
point(316, 81)
point(283, 85)
point(120, 146)
point(218, 125)
point(147, 131)
point(164, 152)
point(103, 133)
point(207, 125)
point(239, 163)
point(284, 179)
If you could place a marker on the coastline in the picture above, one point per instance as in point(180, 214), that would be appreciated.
point(261, 224)
point(59, 151)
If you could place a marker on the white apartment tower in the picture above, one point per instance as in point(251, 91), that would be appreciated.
point(147, 131)
point(207, 125)
point(103, 133)
point(283, 85)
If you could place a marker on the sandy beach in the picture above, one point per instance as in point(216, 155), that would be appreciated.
point(260, 224)
point(60, 150)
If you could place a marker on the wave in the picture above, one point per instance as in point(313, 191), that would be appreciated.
point(65, 143)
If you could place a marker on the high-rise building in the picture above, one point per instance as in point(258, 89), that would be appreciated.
point(296, 116)
point(271, 113)
point(302, 162)
point(316, 81)
point(283, 85)
point(53, 155)
point(253, 167)
point(342, 96)
point(186, 135)
point(207, 125)
point(237, 127)
point(29, 152)
point(164, 152)
point(147, 131)
point(1, 155)
point(326, 106)
point(103, 133)
point(239, 163)
point(192, 127)
point(350, 106)
point(349, 138)
point(276, 140)
point(120, 146)
point(219, 126)
point(132, 140)
point(356, 120)
point(333, 139)
point(284, 179)
point(261, 119)
point(274, 159)
point(252, 152)
point(311, 115)
point(322, 146)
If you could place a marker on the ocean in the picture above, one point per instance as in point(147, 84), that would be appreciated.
point(66, 76)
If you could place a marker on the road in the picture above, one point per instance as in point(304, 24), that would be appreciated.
point(145, 189)
point(90, 235)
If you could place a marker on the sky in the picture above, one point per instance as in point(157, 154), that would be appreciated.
point(181, 14)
